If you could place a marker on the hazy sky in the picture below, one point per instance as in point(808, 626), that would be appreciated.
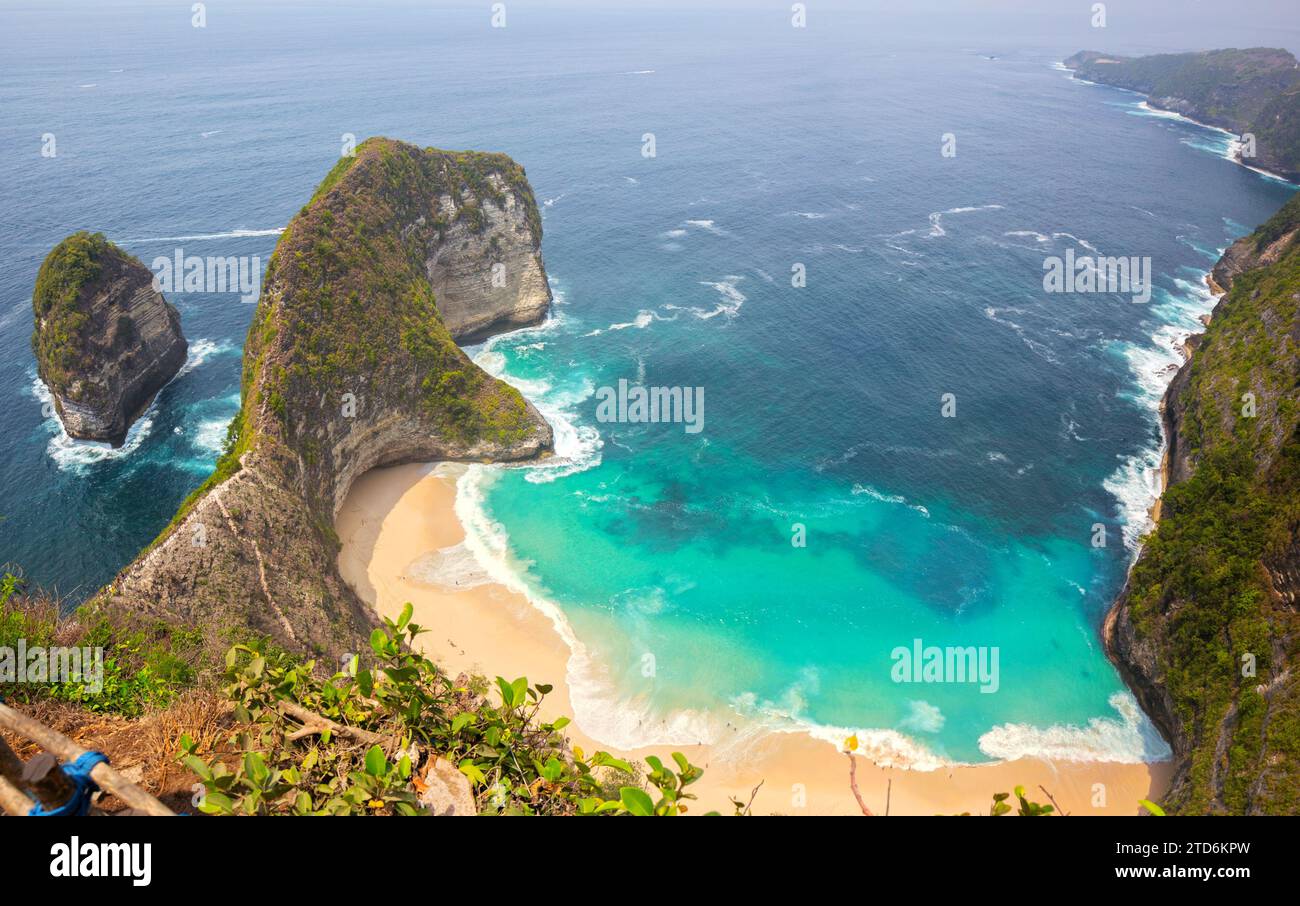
point(1132, 26)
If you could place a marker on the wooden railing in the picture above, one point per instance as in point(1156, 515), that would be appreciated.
point(41, 781)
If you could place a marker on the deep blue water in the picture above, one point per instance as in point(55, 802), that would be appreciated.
point(774, 147)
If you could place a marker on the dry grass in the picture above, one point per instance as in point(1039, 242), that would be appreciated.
point(145, 748)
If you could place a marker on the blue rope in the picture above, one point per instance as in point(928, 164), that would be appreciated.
point(79, 773)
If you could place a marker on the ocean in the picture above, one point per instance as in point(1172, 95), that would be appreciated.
point(764, 571)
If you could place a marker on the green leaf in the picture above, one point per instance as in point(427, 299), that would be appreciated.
point(255, 767)
point(405, 618)
point(471, 770)
point(1152, 808)
point(216, 804)
point(378, 639)
point(636, 801)
point(507, 692)
point(376, 763)
point(520, 688)
point(606, 760)
point(198, 766)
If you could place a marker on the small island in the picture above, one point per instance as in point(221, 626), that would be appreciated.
point(106, 341)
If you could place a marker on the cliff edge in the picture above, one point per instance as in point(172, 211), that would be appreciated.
point(1207, 628)
point(105, 340)
point(349, 365)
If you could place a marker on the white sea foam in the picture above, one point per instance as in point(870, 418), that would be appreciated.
point(644, 318)
point(1038, 348)
point(210, 435)
point(1036, 236)
point(869, 491)
point(732, 299)
point(1208, 254)
point(71, 454)
point(936, 217)
point(886, 748)
point(1135, 484)
point(1082, 242)
point(199, 352)
point(577, 446)
point(232, 234)
point(708, 226)
point(1128, 738)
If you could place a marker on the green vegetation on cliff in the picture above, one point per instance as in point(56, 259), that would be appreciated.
point(1214, 591)
point(352, 265)
point(70, 266)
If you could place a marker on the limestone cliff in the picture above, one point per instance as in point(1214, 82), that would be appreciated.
point(350, 365)
point(494, 222)
point(105, 340)
point(1207, 629)
point(1254, 90)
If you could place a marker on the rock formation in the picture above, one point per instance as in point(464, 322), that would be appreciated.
point(496, 223)
point(105, 340)
point(349, 365)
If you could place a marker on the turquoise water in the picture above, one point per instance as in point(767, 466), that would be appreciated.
point(666, 555)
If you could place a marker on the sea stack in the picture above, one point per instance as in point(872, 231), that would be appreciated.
point(105, 340)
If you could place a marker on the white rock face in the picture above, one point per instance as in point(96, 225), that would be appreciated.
point(512, 291)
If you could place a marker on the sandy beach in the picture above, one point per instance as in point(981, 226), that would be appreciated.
point(394, 522)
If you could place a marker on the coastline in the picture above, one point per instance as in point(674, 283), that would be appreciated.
point(395, 521)
point(1234, 150)
point(1187, 349)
